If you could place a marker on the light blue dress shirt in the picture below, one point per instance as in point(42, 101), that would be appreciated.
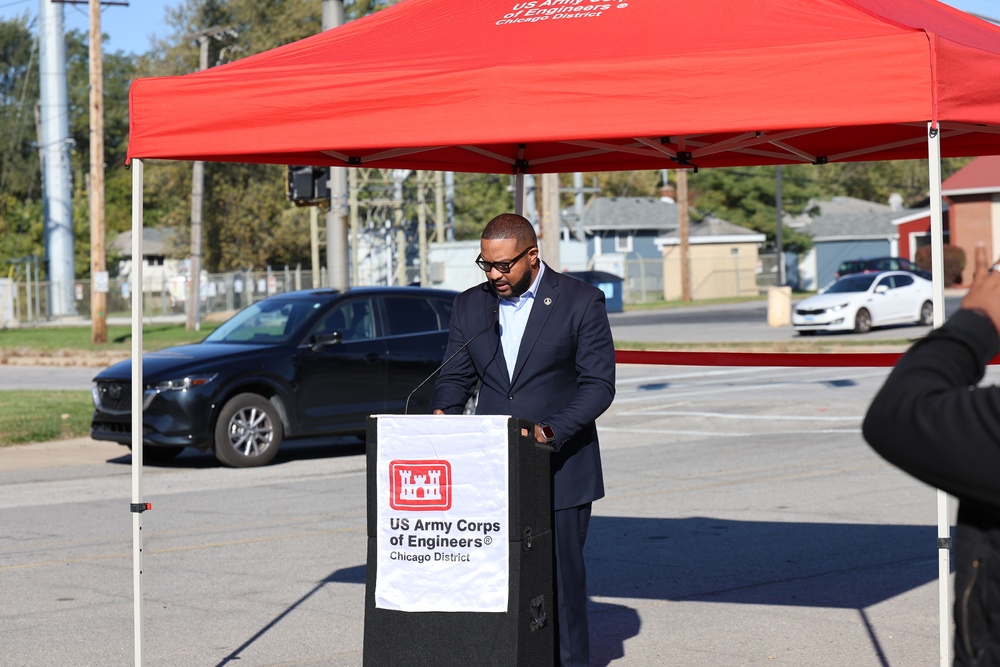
point(513, 320)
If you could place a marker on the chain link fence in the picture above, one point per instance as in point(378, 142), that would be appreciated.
point(26, 303)
point(643, 279)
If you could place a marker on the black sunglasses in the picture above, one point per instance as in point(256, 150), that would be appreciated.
point(502, 267)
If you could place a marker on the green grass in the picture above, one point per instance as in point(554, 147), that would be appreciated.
point(40, 416)
point(52, 339)
point(660, 304)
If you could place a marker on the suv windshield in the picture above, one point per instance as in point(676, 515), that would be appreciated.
point(856, 283)
point(269, 322)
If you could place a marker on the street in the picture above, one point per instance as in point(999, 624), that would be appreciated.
point(742, 323)
point(746, 523)
point(727, 323)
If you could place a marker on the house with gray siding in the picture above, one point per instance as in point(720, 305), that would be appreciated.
point(628, 226)
point(846, 228)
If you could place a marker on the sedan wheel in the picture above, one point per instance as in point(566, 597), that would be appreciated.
point(927, 313)
point(862, 322)
point(248, 432)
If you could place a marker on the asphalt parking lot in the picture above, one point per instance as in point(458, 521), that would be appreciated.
point(746, 523)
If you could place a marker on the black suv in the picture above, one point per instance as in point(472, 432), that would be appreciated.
point(305, 365)
point(878, 264)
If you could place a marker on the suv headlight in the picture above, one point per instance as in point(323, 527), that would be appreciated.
point(179, 384)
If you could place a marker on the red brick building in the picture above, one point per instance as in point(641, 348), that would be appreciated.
point(973, 195)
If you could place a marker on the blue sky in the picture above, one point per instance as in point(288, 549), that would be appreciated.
point(130, 28)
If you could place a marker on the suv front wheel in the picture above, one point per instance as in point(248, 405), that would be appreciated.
point(248, 432)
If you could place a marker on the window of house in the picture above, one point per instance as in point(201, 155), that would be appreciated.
point(623, 243)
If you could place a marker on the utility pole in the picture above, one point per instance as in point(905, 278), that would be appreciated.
point(778, 205)
point(98, 273)
point(398, 176)
point(337, 255)
point(198, 197)
point(422, 226)
point(314, 244)
point(56, 158)
point(548, 223)
point(354, 205)
point(684, 232)
point(439, 206)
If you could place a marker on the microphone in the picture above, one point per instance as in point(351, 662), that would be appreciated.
point(406, 407)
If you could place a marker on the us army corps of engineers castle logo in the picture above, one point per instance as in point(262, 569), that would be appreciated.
point(420, 485)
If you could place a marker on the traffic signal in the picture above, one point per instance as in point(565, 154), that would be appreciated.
point(308, 186)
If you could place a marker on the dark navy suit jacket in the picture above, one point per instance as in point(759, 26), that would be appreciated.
point(564, 375)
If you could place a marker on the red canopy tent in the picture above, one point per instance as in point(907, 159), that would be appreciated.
point(574, 85)
point(508, 86)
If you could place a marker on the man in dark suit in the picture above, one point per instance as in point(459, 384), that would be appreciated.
point(553, 363)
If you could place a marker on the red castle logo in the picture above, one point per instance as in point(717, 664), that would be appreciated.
point(419, 486)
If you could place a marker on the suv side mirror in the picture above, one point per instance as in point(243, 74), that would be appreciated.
point(323, 340)
point(881, 289)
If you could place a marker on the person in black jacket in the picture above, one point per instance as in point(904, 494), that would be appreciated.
point(932, 420)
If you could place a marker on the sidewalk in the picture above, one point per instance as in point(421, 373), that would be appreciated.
point(58, 454)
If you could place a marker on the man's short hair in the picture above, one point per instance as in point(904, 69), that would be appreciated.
point(511, 226)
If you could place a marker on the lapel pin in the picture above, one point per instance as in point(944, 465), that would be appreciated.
point(547, 301)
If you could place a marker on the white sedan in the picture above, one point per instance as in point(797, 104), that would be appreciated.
point(861, 301)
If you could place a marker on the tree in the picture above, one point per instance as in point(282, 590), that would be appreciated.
point(746, 197)
point(876, 181)
point(622, 183)
point(247, 219)
point(19, 162)
point(119, 70)
point(478, 199)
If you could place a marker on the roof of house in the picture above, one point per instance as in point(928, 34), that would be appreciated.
point(842, 218)
point(651, 213)
point(980, 176)
point(156, 242)
point(715, 230)
point(629, 214)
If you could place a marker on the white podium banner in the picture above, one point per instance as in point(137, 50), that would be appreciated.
point(442, 513)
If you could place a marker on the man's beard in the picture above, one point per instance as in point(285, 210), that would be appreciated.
point(518, 288)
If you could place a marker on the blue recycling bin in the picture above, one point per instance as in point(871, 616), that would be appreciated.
point(608, 283)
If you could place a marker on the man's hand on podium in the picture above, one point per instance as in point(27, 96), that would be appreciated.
point(545, 438)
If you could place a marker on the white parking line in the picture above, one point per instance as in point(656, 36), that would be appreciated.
point(726, 415)
point(712, 388)
point(701, 373)
point(666, 433)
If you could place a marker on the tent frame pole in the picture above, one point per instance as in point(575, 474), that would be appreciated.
point(937, 279)
point(138, 505)
point(519, 192)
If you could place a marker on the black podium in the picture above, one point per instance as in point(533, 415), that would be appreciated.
point(523, 635)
